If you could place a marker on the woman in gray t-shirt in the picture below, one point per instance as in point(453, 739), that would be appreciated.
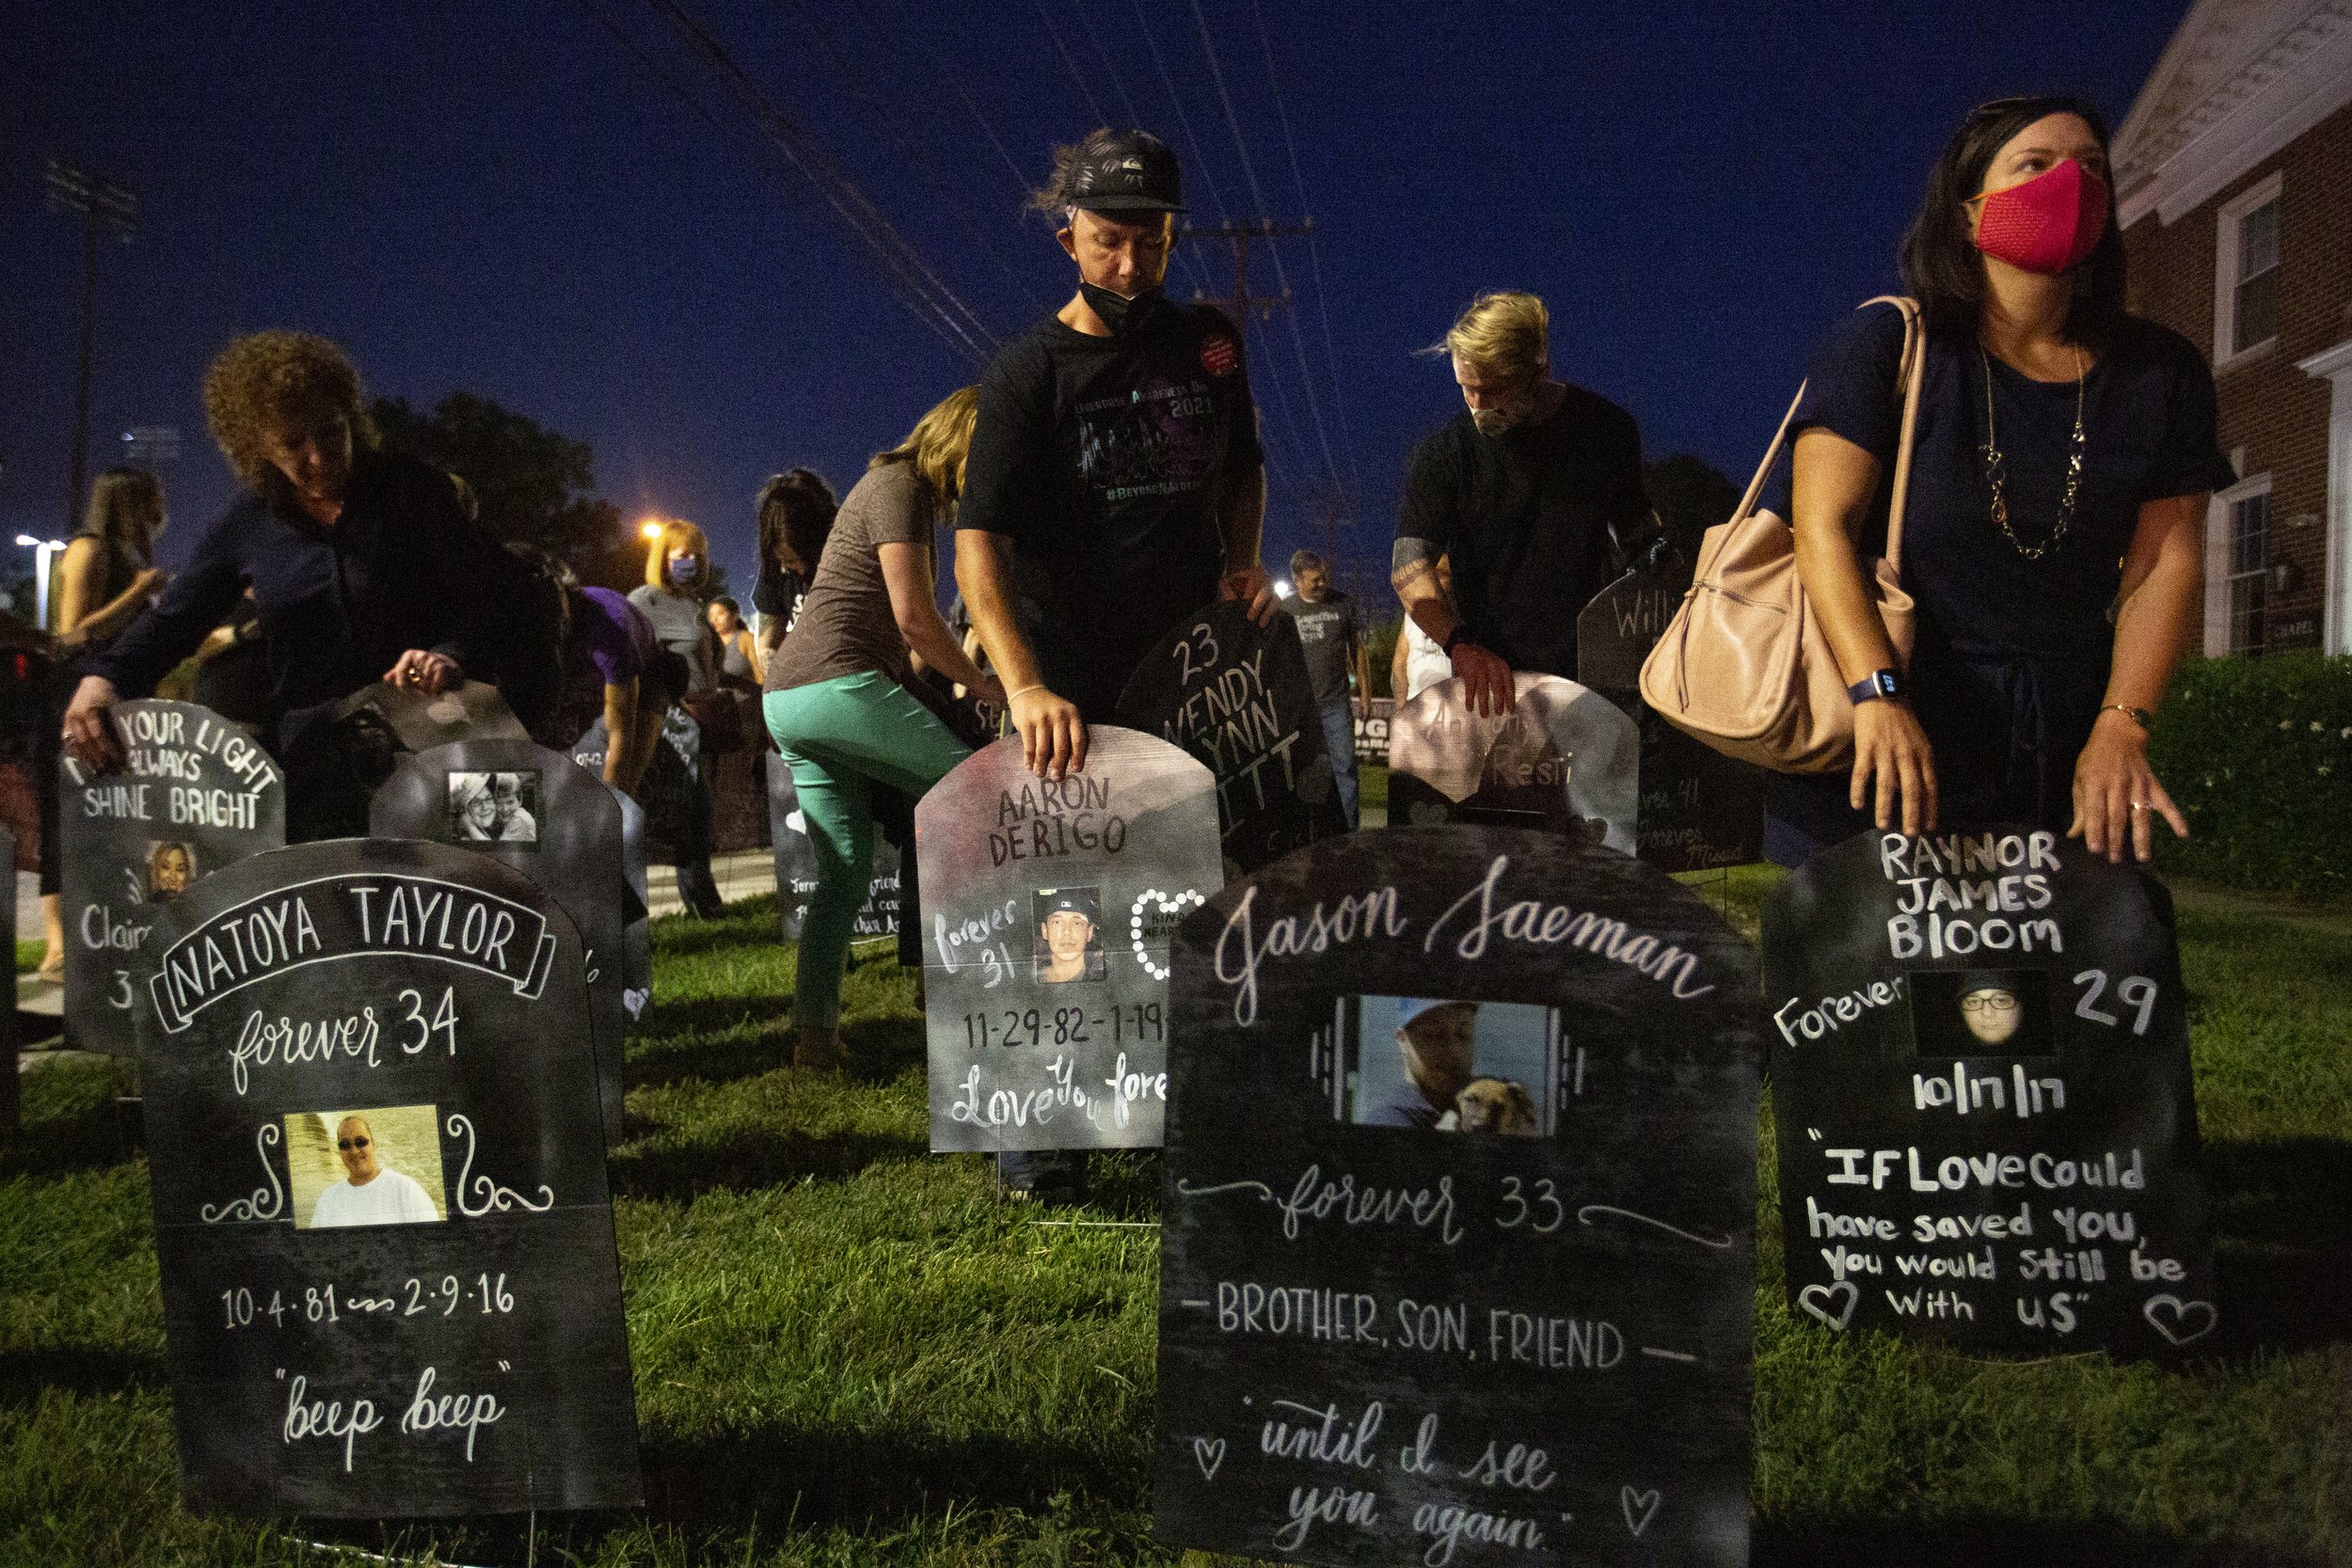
point(835, 701)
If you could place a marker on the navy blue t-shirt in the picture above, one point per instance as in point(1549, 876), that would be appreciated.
point(2012, 654)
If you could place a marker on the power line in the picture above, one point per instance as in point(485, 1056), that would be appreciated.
point(1134, 118)
point(848, 202)
point(1232, 123)
point(1070, 60)
point(1314, 249)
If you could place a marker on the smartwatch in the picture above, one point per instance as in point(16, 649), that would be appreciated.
point(1872, 686)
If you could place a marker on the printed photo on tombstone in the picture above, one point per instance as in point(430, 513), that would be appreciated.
point(1699, 809)
point(1563, 758)
point(556, 823)
point(1048, 910)
point(1236, 696)
point(379, 1165)
point(495, 808)
point(1980, 1072)
point(196, 792)
point(796, 867)
point(376, 1163)
point(1457, 1255)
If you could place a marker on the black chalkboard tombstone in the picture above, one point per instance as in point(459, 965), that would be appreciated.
point(1563, 758)
point(1981, 1075)
point(1459, 1246)
point(196, 792)
point(377, 1164)
point(796, 865)
point(1048, 910)
point(637, 935)
point(556, 823)
point(1237, 697)
point(1699, 809)
point(474, 711)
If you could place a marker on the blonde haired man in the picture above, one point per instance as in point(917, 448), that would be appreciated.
point(1534, 490)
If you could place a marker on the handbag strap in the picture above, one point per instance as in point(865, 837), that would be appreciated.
point(1911, 371)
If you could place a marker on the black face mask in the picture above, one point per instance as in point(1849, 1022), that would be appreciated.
point(1120, 312)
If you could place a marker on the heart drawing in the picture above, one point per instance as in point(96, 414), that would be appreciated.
point(2171, 1317)
point(1813, 1297)
point(1208, 1453)
point(1162, 905)
point(1640, 1507)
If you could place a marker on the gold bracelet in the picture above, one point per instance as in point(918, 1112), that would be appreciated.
point(2140, 715)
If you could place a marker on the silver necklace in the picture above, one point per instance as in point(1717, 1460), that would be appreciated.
point(1996, 474)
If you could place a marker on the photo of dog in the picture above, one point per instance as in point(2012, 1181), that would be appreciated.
point(1499, 1105)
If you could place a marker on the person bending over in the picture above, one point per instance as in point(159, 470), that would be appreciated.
point(361, 565)
point(2054, 531)
point(836, 700)
point(1535, 491)
point(1117, 484)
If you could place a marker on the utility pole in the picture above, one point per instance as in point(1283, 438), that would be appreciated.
point(1239, 235)
point(1332, 509)
point(101, 204)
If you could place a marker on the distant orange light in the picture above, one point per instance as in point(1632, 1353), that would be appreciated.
point(650, 527)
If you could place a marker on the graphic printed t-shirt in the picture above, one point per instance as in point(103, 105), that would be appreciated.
point(1103, 459)
point(1526, 516)
point(1328, 628)
point(846, 625)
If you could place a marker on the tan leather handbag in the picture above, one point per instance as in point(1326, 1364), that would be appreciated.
point(1743, 666)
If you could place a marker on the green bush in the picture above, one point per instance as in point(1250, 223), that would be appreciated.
point(2259, 753)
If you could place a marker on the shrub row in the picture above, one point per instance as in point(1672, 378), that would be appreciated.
point(2259, 754)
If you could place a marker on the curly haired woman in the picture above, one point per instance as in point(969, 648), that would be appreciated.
point(361, 565)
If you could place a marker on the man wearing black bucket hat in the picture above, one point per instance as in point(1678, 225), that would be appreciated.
point(1115, 484)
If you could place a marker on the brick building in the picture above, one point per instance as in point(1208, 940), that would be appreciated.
point(2233, 173)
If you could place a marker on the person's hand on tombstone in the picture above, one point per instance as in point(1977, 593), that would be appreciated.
point(428, 672)
point(1486, 677)
point(1893, 765)
point(2116, 795)
point(1252, 587)
point(1053, 737)
point(89, 725)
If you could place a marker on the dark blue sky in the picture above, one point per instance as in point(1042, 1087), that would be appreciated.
point(500, 195)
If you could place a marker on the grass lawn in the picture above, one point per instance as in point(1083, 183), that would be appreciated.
point(848, 1352)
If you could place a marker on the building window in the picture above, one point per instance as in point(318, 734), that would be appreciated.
point(2246, 273)
point(2250, 571)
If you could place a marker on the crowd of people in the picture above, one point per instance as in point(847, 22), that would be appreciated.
point(1103, 482)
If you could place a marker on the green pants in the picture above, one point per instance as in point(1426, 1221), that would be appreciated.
point(841, 737)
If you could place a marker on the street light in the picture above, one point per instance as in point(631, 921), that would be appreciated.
point(42, 550)
point(1282, 589)
point(650, 527)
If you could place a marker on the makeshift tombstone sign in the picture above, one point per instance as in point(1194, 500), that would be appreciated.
point(637, 944)
point(11, 1091)
point(377, 1167)
point(1699, 809)
point(1980, 1074)
point(1563, 758)
point(1236, 696)
point(557, 824)
point(1457, 1244)
point(196, 792)
point(1048, 911)
point(474, 711)
point(637, 932)
point(796, 865)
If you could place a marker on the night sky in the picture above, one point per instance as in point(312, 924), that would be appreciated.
point(503, 196)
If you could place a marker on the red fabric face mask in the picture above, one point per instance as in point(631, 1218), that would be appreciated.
point(2049, 224)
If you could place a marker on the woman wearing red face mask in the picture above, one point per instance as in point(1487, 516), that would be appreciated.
point(2052, 534)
